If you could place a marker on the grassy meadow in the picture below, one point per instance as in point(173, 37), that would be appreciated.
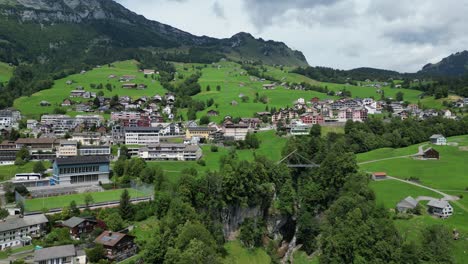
point(237, 254)
point(6, 71)
point(449, 174)
point(29, 105)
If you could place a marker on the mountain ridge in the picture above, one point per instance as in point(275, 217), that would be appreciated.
point(153, 33)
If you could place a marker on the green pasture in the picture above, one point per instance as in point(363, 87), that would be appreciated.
point(38, 204)
point(29, 105)
point(390, 192)
point(237, 254)
point(449, 173)
point(6, 71)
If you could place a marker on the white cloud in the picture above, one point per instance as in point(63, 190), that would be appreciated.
point(394, 34)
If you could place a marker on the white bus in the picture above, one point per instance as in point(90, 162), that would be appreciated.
point(27, 176)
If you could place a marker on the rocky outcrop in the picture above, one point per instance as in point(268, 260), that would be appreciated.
point(234, 216)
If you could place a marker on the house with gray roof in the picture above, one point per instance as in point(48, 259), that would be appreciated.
point(440, 208)
point(56, 255)
point(18, 231)
point(406, 204)
point(438, 139)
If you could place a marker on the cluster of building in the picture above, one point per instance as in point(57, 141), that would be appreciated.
point(19, 230)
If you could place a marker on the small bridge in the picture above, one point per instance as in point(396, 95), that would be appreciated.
point(308, 164)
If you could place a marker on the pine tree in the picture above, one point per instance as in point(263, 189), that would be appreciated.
point(125, 208)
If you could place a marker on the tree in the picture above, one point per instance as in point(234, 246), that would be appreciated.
point(23, 154)
point(88, 199)
point(114, 221)
point(96, 253)
point(399, 96)
point(3, 213)
point(316, 131)
point(20, 205)
point(119, 166)
point(437, 244)
point(208, 88)
point(251, 233)
point(125, 208)
point(74, 210)
point(204, 120)
point(39, 167)
point(218, 88)
point(252, 141)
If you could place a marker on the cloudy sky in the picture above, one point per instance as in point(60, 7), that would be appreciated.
point(392, 34)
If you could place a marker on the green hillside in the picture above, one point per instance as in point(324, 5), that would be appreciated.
point(6, 72)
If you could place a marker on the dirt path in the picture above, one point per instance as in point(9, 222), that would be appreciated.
point(377, 160)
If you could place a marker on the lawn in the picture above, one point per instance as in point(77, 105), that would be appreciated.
point(448, 173)
point(29, 105)
point(8, 171)
point(390, 192)
point(5, 72)
point(237, 254)
point(384, 153)
point(61, 201)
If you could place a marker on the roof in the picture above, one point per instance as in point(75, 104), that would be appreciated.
point(54, 253)
point(82, 160)
point(108, 238)
point(142, 129)
point(74, 221)
point(408, 202)
point(380, 174)
point(201, 129)
point(438, 204)
point(430, 149)
point(16, 222)
point(436, 136)
point(35, 141)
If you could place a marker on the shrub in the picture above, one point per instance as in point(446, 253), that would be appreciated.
point(214, 149)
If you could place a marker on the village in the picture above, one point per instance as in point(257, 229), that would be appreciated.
point(81, 150)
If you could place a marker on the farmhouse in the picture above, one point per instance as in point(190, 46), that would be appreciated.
point(129, 85)
point(438, 140)
point(118, 246)
point(56, 255)
point(440, 208)
point(19, 230)
point(406, 204)
point(142, 86)
point(148, 72)
point(379, 175)
point(212, 113)
point(127, 78)
point(269, 86)
point(44, 103)
point(431, 153)
point(66, 102)
point(79, 226)
point(88, 170)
